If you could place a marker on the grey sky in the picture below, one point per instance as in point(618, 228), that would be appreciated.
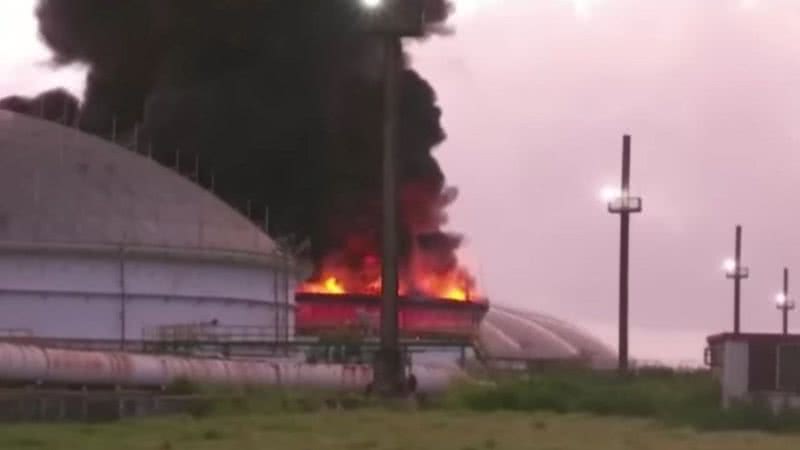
point(536, 100)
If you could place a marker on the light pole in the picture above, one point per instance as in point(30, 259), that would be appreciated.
point(391, 20)
point(736, 272)
point(783, 302)
point(624, 204)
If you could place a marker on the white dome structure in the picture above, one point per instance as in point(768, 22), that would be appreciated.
point(512, 337)
point(98, 242)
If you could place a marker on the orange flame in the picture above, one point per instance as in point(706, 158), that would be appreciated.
point(429, 266)
point(455, 285)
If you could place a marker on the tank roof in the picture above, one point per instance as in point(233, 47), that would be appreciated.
point(60, 185)
point(514, 334)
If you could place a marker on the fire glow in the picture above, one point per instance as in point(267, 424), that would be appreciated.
point(428, 265)
point(455, 285)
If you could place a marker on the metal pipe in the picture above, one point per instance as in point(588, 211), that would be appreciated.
point(35, 364)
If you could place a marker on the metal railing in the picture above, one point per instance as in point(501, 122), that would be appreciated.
point(15, 332)
point(307, 350)
point(209, 332)
point(40, 405)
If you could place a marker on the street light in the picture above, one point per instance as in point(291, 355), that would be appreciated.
point(621, 202)
point(732, 270)
point(391, 20)
point(783, 302)
point(729, 265)
point(371, 4)
point(736, 272)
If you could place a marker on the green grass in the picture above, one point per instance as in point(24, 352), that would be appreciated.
point(373, 429)
point(690, 399)
point(553, 411)
point(264, 400)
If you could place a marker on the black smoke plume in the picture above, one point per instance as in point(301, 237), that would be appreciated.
point(279, 100)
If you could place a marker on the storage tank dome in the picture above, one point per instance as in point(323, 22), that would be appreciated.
point(60, 185)
point(512, 336)
point(97, 241)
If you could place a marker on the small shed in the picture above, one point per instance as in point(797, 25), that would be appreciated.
point(756, 366)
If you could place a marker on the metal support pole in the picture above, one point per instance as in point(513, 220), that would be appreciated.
point(624, 245)
point(136, 137)
point(737, 280)
point(388, 363)
point(123, 319)
point(785, 308)
point(64, 112)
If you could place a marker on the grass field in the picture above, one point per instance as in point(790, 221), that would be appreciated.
point(677, 398)
point(547, 411)
point(378, 429)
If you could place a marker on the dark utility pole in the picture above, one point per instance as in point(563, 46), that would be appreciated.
point(785, 304)
point(624, 205)
point(737, 283)
point(389, 367)
point(737, 272)
point(389, 21)
point(624, 243)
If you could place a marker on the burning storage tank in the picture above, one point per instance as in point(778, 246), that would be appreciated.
point(434, 302)
point(418, 317)
point(439, 303)
point(99, 243)
point(501, 337)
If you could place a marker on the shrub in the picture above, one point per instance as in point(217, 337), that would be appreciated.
point(680, 398)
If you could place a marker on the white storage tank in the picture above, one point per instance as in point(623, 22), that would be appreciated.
point(99, 242)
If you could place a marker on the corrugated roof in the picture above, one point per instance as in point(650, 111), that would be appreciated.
point(59, 185)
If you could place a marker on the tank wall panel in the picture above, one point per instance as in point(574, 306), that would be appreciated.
point(58, 273)
point(61, 316)
point(148, 312)
point(199, 279)
point(80, 296)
